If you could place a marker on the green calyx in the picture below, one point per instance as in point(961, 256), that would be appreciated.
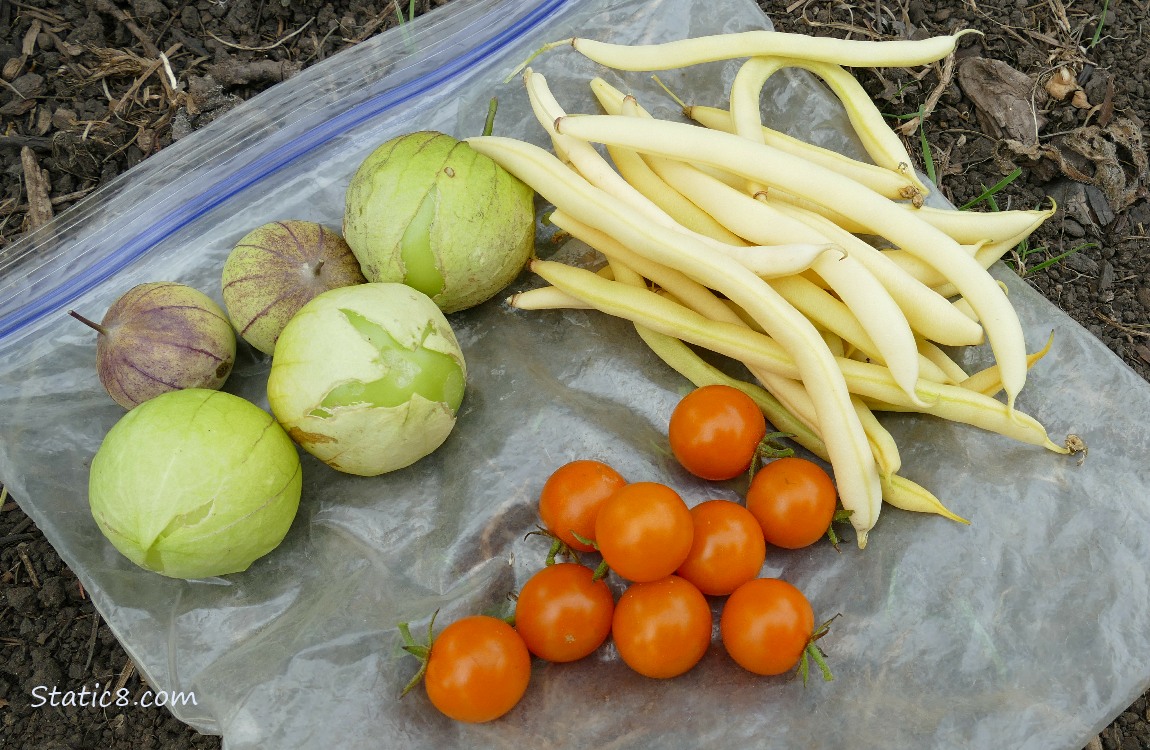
point(428, 373)
point(421, 270)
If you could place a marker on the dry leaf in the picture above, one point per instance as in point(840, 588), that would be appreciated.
point(1005, 100)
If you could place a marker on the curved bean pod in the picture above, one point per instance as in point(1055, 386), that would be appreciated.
point(884, 218)
point(693, 51)
point(885, 182)
point(880, 142)
point(854, 464)
point(872, 382)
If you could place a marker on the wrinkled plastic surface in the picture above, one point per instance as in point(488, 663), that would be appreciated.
point(1028, 629)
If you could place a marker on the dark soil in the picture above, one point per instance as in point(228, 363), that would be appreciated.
point(85, 96)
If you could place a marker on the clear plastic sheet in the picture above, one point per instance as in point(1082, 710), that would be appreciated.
point(1028, 629)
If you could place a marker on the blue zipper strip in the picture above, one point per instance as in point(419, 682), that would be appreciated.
point(263, 167)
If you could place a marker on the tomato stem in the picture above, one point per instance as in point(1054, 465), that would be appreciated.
point(558, 546)
point(90, 323)
point(840, 516)
point(816, 655)
point(419, 650)
point(813, 653)
point(589, 542)
point(602, 569)
point(771, 446)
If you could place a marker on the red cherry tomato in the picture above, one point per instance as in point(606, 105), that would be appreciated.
point(728, 548)
point(644, 531)
point(662, 628)
point(477, 670)
point(571, 499)
point(766, 625)
point(794, 500)
point(562, 613)
point(715, 431)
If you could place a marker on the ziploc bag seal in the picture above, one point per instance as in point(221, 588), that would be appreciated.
point(1029, 628)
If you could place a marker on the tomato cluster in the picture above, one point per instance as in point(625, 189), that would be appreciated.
point(665, 556)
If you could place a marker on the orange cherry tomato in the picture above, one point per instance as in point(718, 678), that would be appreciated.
point(644, 531)
point(728, 548)
point(477, 670)
point(662, 628)
point(562, 613)
point(715, 432)
point(571, 499)
point(766, 625)
point(794, 500)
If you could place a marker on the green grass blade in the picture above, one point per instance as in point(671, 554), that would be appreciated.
point(987, 194)
point(1101, 22)
point(927, 157)
point(1060, 257)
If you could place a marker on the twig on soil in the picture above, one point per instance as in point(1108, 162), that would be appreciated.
point(149, 47)
point(28, 45)
point(1009, 30)
point(318, 45)
point(369, 29)
point(148, 71)
point(12, 88)
point(267, 48)
point(37, 187)
point(171, 82)
point(1058, 10)
point(22, 525)
point(125, 675)
point(847, 27)
point(92, 641)
point(1133, 331)
point(944, 79)
point(22, 551)
point(33, 12)
point(56, 201)
point(145, 69)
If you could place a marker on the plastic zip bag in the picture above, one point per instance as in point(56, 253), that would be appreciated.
point(1030, 628)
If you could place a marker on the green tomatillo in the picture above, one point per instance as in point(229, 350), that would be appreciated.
point(195, 483)
point(368, 378)
point(427, 210)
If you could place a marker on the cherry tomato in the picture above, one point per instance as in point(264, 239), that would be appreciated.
point(766, 625)
point(662, 628)
point(562, 613)
point(571, 499)
point(728, 548)
point(478, 669)
point(644, 531)
point(794, 500)
point(715, 431)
